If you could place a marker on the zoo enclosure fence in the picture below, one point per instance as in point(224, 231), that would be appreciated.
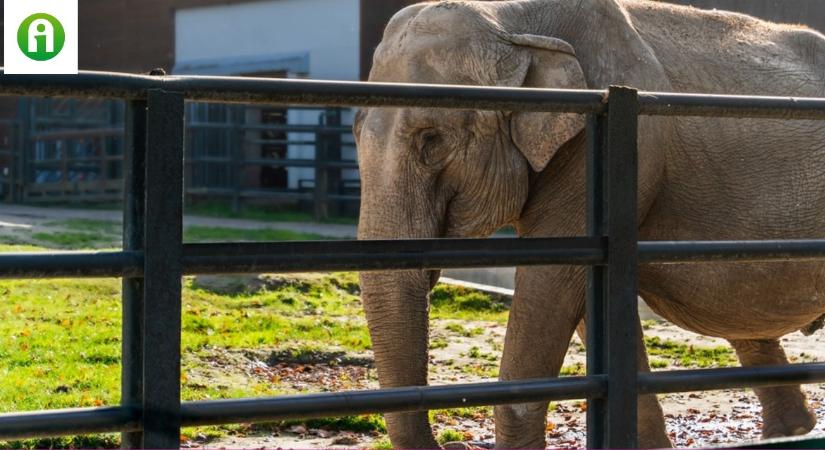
point(154, 258)
point(70, 150)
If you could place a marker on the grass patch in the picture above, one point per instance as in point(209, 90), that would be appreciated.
point(438, 342)
point(460, 302)
point(87, 225)
point(575, 370)
point(91, 441)
point(382, 444)
point(73, 239)
point(449, 435)
point(223, 209)
point(690, 355)
point(217, 234)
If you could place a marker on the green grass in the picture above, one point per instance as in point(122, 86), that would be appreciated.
point(60, 340)
point(449, 435)
point(382, 444)
point(80, 234)
point(87, 225)
point(217, 234)
point(690, 355)
point(72, 239)
point(458, 302)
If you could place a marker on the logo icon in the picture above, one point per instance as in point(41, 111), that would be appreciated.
point(41, 37)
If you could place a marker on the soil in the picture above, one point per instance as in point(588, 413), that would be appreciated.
point(697, 419)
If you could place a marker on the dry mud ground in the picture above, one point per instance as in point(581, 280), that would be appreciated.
point(693, 419)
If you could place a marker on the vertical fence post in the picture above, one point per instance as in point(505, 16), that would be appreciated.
point(594, 315)
point(321, 205)
point(163, 270)
point(237, 154)
point(134, 172)
point(622, 268)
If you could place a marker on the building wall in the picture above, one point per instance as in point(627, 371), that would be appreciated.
point(325, 29)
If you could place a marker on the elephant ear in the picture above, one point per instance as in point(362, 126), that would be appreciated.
point(546, 62)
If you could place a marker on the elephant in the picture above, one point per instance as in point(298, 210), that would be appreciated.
point(438, 173)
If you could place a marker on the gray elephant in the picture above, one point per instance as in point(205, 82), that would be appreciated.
point(431, 173)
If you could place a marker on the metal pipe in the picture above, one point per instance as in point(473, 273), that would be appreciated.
point(310, 92)
point(134, 207)
point(733, 251)
point(711, 105)
point(64, 422)
point(596, 279)
point(712, 379)
point(389, 255)
point(322, 256)
point(71, 265)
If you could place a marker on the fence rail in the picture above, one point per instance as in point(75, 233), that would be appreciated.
point(154, 257)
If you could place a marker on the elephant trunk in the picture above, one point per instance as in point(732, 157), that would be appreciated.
point(397, 309)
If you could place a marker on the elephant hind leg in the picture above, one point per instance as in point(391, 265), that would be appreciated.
point(784, 408)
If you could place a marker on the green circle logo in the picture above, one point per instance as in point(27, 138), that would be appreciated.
point(41, 37)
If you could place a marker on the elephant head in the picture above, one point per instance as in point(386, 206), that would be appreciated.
point(429, 173)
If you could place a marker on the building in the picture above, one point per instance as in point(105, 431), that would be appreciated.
point(67, 149)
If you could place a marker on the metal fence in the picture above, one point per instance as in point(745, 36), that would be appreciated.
point(154, 258)
point(71, 150)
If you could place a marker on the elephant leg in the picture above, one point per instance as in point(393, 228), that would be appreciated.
point(650, 417)
point(547, 305)
point(784, 408)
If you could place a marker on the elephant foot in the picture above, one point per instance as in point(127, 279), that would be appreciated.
point(654, 440)
point(410, 430)
point(794, 422)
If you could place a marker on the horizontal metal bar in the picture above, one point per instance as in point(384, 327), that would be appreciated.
point(712, 379)
point(389, 255)
point(63, 422)
point(70, 265)
point(304, 92)
point(311, 92)
point(733, 251)
point(389, 400)
point(397, 254)
point(672, 104)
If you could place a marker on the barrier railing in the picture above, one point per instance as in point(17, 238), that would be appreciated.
point(154, 258)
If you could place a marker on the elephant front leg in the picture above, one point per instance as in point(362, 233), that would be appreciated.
point(547, 305)
point(784, 409)
point(649, 415)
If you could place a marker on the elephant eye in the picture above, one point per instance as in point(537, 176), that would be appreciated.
point(428, 138)
point(429, 143)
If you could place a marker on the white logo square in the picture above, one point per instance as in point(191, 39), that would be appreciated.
point(40, 36)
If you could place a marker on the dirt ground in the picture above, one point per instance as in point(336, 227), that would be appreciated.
point(697, 419)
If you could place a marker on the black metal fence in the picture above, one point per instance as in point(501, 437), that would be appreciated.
point(71, 150)
point(154, 257)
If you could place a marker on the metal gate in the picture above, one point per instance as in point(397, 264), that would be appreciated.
point(154, 258)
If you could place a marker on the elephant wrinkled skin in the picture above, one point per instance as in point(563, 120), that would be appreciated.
point(430, 173)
